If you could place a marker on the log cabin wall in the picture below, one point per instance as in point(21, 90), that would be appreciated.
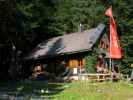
point(104, 44)
point(75, 62)
point(53, 65)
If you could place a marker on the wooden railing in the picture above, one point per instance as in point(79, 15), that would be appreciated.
point(95, 76)
point(100, 77)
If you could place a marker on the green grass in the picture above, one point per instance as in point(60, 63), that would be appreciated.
point(81, 90)
point(96, 91)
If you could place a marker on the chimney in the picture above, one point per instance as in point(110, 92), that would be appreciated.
point(81, 27)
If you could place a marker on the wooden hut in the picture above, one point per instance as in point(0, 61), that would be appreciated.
point(69, 49)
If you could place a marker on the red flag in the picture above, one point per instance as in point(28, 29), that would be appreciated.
point(109, 12)
point(115, 50)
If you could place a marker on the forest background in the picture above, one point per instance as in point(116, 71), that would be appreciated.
point(25, 23)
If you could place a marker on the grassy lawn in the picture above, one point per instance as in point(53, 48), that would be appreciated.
point(82, 90)
point(97, 91)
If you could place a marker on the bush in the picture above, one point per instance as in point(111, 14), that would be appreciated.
point(91, 60)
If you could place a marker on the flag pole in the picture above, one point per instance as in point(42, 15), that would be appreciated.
point(114, 50)
point(110, 64)
point(110, 67)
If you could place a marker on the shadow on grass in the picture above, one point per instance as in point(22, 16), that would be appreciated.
point(30, 90)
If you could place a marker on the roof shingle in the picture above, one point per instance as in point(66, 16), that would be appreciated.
point(69, 43)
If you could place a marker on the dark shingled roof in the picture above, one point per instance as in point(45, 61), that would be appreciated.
point(66, 44)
